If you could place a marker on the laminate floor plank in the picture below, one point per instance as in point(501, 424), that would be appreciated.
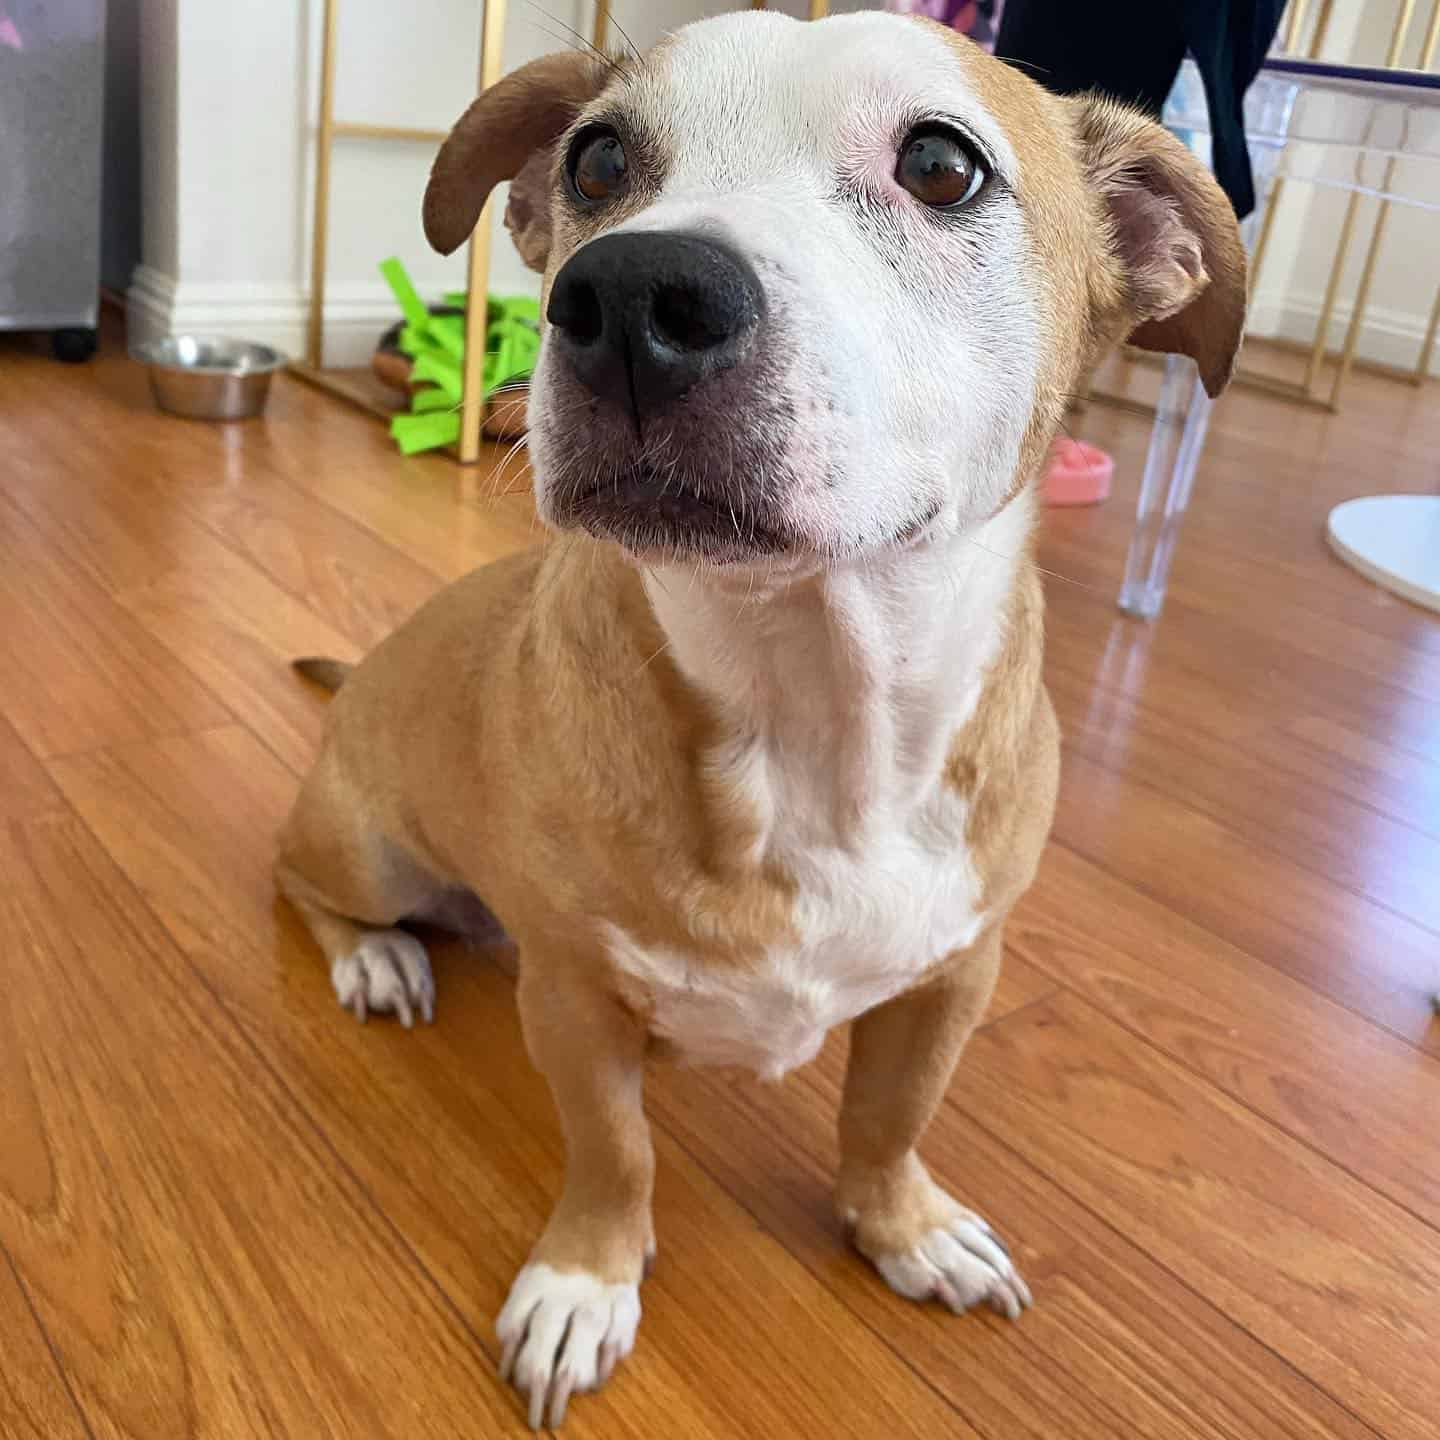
point(1355, 1093)
point(200, 1263)
point(34, 1403)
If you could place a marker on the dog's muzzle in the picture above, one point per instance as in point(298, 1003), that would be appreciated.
point(657, 339)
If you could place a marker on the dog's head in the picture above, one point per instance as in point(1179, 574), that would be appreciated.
point(816, 288)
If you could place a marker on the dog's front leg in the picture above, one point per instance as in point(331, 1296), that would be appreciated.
point(902, 1054)
point(574, 1308)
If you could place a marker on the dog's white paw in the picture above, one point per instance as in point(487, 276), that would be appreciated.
point(387, 971)
point(563, 1333)
point(960, 1264)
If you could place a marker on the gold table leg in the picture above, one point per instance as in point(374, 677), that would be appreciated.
point(320, 228)
point(472, 396)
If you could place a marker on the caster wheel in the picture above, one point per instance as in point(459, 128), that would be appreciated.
point(73, 347)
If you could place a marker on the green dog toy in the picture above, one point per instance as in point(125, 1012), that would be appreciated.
point(436, 345)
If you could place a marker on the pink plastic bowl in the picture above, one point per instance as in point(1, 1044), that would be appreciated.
point(1079, 474)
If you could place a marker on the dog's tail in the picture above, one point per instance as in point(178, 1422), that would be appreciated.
point(319, 670)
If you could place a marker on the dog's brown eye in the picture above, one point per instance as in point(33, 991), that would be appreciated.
point(597, 165)
point(939, 169)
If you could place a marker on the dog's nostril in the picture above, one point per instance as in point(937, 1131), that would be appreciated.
point(575, 308)
point(685, 319)
point(639, 319)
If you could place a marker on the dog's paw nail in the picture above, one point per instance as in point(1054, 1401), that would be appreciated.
point(947, 1295)
point(563, 1333)
point(609, 1357)
point(388, 971)
point(961, 1265)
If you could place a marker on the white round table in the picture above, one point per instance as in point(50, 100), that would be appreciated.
point(1393, 540)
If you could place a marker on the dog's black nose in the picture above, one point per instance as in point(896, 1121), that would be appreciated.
point(644, 317)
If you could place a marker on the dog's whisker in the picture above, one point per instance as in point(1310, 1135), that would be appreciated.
point(1024, 65)
point(594, 565)
point(749, 592)
point(599, 54)
point(647, 663)
point(657, 578)
point(625, 35)
point(500, 488)
point(556, 36)
point(1053, 574)
point(514, 450)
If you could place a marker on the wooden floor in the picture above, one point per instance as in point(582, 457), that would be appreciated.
point(1205, 1110)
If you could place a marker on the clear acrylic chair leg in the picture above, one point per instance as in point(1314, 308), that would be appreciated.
point(1181, 419)
point(1183, 414)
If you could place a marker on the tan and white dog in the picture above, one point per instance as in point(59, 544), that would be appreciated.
point(759, 744)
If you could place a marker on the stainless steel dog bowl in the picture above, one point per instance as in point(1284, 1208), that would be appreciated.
point(205, 377)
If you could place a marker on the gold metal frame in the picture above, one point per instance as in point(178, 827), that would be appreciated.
point(328, 131)
point(1306, 390)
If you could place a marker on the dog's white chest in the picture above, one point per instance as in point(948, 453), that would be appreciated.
point(867, 927)
point(843, 697)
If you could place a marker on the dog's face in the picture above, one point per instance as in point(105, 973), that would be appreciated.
point(818, 288)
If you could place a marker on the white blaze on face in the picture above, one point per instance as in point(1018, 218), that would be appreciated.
point(903, 341)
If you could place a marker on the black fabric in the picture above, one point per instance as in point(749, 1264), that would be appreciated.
point(1132, 49)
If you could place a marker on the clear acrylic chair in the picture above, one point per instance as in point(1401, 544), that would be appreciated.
point(1367, 131)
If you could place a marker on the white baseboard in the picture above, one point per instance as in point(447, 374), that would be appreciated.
point(355, 315)
point(1390, 337)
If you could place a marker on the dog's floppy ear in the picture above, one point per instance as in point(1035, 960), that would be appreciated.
point(506, 135)
point(1175, 235)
